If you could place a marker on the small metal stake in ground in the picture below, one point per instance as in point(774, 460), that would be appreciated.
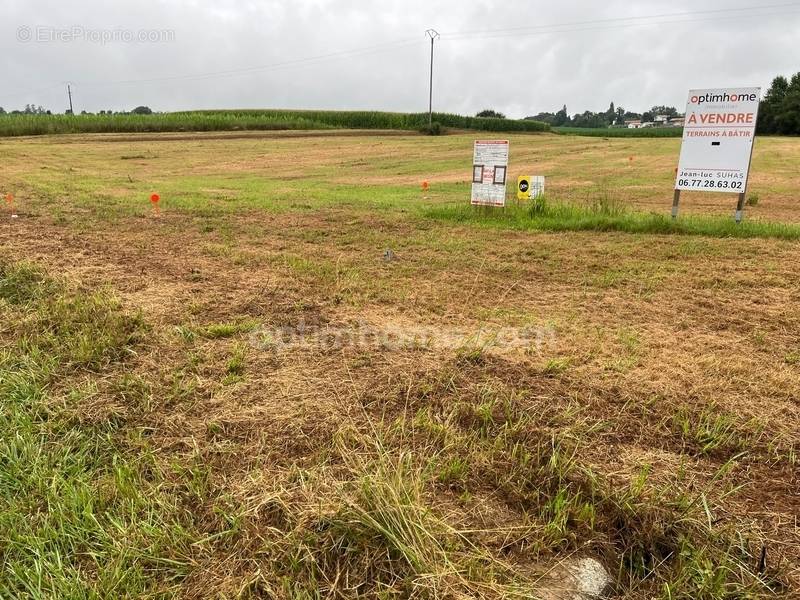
point(676, 200)
point(740, 208)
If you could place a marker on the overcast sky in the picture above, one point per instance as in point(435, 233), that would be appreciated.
point(355, 54)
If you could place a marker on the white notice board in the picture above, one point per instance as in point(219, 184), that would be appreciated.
point(718, 138)
point(489, 173)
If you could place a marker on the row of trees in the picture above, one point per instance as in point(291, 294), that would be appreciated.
point(780, 108)
point(779, 112)
point(32, 109)
point(613, 116)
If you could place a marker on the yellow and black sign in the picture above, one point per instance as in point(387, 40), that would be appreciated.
point(530, 187)
point(524, 187)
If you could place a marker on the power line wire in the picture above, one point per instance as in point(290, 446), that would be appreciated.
point(267, 67)
point(606, 27)
point(625, 19)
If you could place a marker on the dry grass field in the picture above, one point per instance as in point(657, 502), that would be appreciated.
point(249, 397)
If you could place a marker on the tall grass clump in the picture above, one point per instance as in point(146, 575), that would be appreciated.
point(374, 525)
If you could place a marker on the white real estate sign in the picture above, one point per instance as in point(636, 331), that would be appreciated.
point(537, 186)
point(718, 138)
point(489, 170)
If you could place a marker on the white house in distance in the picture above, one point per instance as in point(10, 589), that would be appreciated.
point(658, 121)
point(639, 124)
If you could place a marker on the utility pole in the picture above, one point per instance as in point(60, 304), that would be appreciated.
point(69, 93)
point(434, 35)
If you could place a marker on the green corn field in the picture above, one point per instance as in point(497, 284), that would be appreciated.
point(249, 120)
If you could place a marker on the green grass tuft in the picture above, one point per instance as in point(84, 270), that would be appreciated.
point(217, 331)
point(22, 283)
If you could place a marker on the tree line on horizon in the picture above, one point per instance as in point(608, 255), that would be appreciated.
point(32, 109)
point(779, 113)
point(614, 116)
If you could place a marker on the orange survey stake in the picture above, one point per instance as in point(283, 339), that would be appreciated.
point(10, 202)
point(154, 200)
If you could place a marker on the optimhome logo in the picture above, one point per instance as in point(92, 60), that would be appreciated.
point(720, 98)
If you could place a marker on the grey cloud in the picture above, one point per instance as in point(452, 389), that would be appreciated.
point(634, 66)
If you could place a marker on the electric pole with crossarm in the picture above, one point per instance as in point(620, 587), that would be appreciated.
point(69, 93)
point(433, 34)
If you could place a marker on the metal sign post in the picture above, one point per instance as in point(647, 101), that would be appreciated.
point(740, 208)
point(740, 205)
point(676, 200)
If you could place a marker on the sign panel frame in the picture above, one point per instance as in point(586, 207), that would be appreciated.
point(718, 137)
point(718, 140)
point(489, 173)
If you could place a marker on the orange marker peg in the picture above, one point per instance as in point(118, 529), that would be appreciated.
point(10, 202)
point(154, 200)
